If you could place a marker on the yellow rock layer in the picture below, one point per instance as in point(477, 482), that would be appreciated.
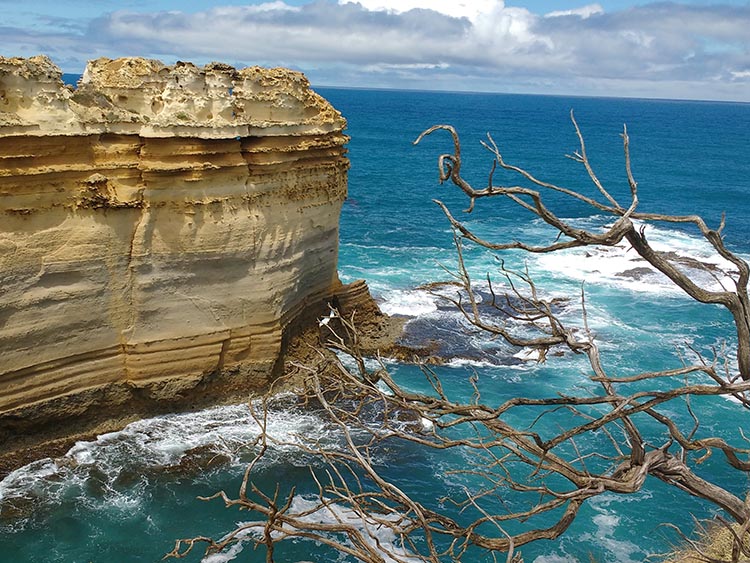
point(161, 227)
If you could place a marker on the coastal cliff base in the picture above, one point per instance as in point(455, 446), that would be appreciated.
point(49, 429)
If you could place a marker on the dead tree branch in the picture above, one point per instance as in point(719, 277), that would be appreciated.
point(623, 227)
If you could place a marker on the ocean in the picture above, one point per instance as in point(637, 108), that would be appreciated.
point(129, 495)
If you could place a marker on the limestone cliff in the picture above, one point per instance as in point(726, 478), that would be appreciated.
point(161, 229)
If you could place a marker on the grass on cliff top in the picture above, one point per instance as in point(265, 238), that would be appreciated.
point(714, 545)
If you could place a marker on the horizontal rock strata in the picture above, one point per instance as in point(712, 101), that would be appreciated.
point(162, 228)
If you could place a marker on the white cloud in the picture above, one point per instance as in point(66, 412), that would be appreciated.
point(686, 50)
point(637, 38)
point(409, 66)
point(582, 12)
point(471, 9)
point(493, 23)
point(257, 8)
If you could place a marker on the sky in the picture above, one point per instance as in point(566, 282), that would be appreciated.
point(624, 48)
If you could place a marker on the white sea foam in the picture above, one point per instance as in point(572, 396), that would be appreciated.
point(399, 249)
point(17, 483)
point(527, 355)
point(466, 362)
point(611, 549)
point(152, 444)
point(411, 303)
point(555, 558)
point(620, 266)
point(437, 323)
point(226, 556)
point(733, 399)
point(374, 532)
point(607, 522)
point(622, 551)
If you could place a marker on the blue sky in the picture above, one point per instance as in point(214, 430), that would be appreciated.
point(687, 49)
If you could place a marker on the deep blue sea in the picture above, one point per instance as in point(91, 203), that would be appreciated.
point(127, 496)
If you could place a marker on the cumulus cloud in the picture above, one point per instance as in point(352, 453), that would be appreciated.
point(470, 9)
point(663, 49)
point(315, 33)
point(584, 11)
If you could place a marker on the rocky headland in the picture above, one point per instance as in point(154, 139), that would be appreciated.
point(164, 232)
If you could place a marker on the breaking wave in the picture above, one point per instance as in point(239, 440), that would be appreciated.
point(619, 266)
point(124, 460)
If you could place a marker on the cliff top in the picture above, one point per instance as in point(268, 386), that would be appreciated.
point(148, 98)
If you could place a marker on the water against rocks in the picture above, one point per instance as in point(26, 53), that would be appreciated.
point(128, 495)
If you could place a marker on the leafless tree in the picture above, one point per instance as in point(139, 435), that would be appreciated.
point(515, 484)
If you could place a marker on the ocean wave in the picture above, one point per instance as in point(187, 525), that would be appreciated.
point(409, 250)
point(371, 364)
point(608, 530)
point(438, 326)
point(621, 267)
point(736, 400)
point(623, 551)
point(116, 473)
point(409, 303)
point(112, 471)
point(463, 363)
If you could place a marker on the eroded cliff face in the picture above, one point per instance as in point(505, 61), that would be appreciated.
point(161, 229)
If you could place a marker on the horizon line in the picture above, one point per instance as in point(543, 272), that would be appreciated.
point(487, 92)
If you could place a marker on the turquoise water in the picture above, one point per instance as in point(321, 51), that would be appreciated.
point(129, 495)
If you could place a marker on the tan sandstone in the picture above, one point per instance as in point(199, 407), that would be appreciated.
point(162, 231)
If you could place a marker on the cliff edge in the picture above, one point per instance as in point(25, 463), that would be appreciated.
point(163, 229)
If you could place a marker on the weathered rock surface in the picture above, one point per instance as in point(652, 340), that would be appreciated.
point(162, 230)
